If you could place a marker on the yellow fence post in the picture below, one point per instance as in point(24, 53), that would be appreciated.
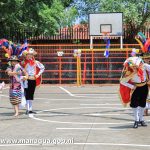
point(77, 55)
point(80, 72)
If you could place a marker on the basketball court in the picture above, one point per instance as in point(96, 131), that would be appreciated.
point(72, 118)
point(76, 117)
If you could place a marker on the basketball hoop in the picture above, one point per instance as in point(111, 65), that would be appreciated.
point(106, 33)
point(109, 28)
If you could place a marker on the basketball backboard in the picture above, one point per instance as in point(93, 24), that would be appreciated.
point(111, 23)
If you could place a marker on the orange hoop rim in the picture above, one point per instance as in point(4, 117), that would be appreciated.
point(105, 33)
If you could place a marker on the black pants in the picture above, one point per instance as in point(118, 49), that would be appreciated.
point(29, 92)
point(139, 97)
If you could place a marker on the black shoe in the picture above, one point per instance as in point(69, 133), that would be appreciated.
point(135, 124)
point(32, 112)
point(27, 112)
point(143, 123)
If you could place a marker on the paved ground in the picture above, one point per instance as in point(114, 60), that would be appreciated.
point(72, 118)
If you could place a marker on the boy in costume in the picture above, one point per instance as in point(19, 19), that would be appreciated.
point(146, 59)
point(34, 69)
point(135, 79)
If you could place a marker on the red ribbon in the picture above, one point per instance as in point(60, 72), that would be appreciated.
point(140, 74)
point(30, 61)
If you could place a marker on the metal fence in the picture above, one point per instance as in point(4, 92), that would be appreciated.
point(66, 35)
point(94, 67)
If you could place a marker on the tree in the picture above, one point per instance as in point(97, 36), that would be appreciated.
point(69, 17)
point(40, 16)
point(136, 12)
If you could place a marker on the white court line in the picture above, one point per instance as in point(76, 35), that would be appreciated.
point(87, 99)
point(90, 114)
point(10, 145)
point(101, 104)
point(88, 144)
point(69, 122)
point(74, 108)
point(108, 94)
point(79, 123)
point(110, 98)
point(53, 115)
point(88, 129)
point(64, 99)
point(69, 93)
point(101, 114)
point(113, 144)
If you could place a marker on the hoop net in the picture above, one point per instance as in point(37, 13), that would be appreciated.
point(106, 33)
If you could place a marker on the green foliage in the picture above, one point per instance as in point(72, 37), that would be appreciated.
point(40, 16)
point(133, 10)
point(69, 15)
point(136, 12)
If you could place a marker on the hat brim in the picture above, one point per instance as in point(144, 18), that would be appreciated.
point(34, 53)
point(26, 53)
point(145, 57)
point(14, 60)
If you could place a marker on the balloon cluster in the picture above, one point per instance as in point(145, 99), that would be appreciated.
point(134, 52)
point(12, 49)
point(144, 42)
point(77, 53)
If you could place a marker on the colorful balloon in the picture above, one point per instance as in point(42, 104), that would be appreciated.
point(146, 45)
point(142, 37)
point(140, 43)
point(6, 55)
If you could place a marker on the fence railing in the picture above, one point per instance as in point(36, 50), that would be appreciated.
point(94, 67)
point(66, 35)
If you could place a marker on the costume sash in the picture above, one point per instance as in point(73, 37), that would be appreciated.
point(125, 94)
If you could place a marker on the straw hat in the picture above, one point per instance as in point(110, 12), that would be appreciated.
point(14, 58)
point(29, 51)
point(145, 55)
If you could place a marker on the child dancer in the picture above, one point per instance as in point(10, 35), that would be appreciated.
point(15, 72)
point(34, 69)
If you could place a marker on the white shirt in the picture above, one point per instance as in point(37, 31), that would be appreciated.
point(32, 71)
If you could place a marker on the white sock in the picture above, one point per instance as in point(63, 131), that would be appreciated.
point(136, 114)
point(29, 105)
point(141, 113)
point(147, 105)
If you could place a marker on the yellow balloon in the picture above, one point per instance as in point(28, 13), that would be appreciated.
point(6, 55)
point(79, 50)
point(137, 50)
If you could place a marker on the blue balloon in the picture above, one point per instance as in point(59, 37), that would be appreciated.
point(6, 44)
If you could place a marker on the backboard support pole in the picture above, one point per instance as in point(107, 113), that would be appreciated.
point(91, 42)
point(121, 42)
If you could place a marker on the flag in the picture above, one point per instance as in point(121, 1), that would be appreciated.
point(106, 53)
